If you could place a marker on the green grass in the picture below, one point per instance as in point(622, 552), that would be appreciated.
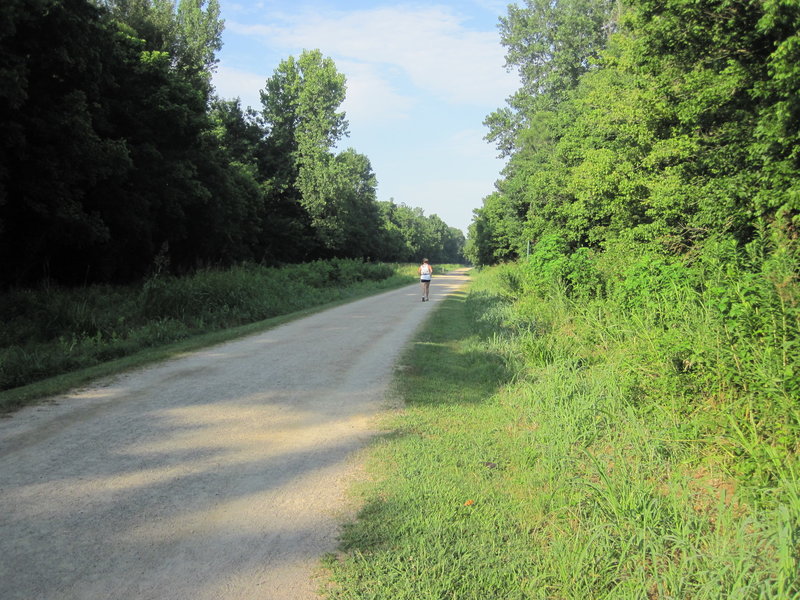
point(528, 463)
point(416, 537)
point(56, 339)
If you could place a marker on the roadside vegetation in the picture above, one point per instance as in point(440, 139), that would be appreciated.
point(138, 209)
point(613, 410)
point(643, 444)
point(117, 154)
point(50, 330)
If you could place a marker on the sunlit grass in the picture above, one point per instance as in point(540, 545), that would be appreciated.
point(528, 464)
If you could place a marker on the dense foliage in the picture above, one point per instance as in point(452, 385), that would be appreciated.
point(651, 194)
point(559, 447)
point(654, 124)
point(53, 330)
point(115, 155)
point(659, 159)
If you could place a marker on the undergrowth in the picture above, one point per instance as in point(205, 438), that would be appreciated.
point(591, 439)
point(49, 331)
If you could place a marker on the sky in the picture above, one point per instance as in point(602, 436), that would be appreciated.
point(421, 79)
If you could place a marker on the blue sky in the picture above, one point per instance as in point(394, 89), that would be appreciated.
point(421, 78)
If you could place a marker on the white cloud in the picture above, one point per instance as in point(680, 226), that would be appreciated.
point(431, 46)
point(232, 83)
point(371, 97)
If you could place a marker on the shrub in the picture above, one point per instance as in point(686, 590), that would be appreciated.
point(54, 330)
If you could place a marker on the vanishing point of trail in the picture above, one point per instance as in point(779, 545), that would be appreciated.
point(218, 475)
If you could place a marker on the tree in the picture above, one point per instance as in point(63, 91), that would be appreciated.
point(551, 43)
point(678, 127)
point(113, 152)
point(453, 246)
point(189, 31)
point(301, 109)
point(58, 61)
point(106, 156)
point(350, 223)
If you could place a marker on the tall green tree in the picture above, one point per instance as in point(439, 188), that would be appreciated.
point(114, 154)
point(350, 222)
point(58, 61)
point(668, 121)
point(551, 44)
point(301, 104)
point(106, 160)
point(189, 31)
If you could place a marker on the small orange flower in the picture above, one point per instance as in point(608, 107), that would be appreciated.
point(469, 502)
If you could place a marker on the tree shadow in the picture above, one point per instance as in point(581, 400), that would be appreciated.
point(199, 477)
point(451, 364)
point(179, 518)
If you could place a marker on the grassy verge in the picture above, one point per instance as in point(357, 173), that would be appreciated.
point(55, 339)
point(529, 465)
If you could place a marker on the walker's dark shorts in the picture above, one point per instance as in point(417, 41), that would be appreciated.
point(424, 280)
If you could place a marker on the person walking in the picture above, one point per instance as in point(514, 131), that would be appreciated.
point(425, 271)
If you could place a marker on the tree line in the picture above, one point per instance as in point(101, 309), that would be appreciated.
point(668, 125)
point(651, 194)
point(117, 157)
point(649, 222)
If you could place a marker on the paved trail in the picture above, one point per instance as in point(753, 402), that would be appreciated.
point(220, 475)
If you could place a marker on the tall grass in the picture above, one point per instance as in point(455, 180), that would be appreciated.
point(560, 445)
point(50, 331)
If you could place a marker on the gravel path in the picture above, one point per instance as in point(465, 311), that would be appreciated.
point(219, 475)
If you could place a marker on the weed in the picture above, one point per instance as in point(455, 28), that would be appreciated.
point(52, 331)
point(620, 457)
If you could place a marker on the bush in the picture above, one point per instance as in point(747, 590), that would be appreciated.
point(552, 264)
point(660, 415)
point(716, 334)
point(53, 330)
